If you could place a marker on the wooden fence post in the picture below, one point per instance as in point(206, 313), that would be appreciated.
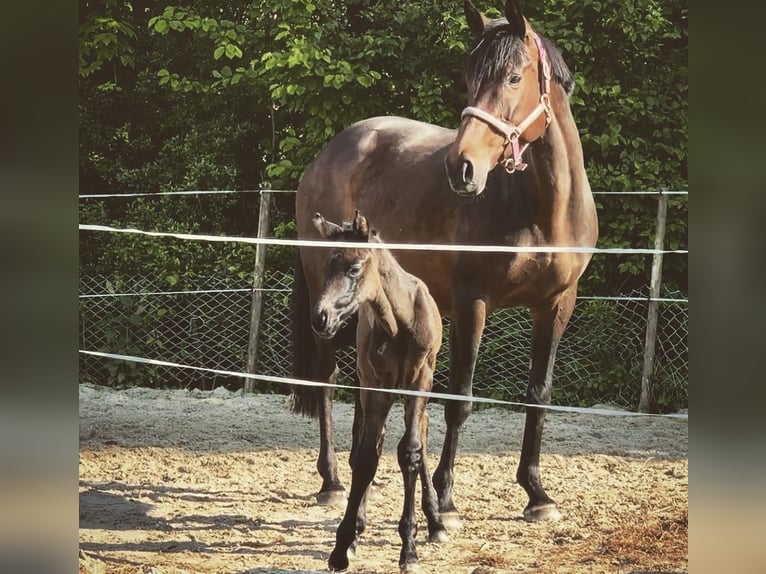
point(257, 302)
point(654, 293)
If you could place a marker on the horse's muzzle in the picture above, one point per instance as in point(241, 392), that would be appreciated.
point(462, 177)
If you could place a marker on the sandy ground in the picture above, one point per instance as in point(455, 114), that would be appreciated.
point(176, 481)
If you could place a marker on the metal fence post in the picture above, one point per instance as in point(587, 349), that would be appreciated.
point(654, 293)
point(257, 303)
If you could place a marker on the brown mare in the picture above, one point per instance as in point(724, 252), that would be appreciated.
point(393, 170)
point(398, 334)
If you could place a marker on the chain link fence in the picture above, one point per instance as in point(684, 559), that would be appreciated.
point(600, 357)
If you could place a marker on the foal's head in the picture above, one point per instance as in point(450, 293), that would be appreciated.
point(350, 274)
point(508, 73)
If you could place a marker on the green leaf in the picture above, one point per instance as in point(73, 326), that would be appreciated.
point(233, 51)
point(219, 52)
point(161, 26)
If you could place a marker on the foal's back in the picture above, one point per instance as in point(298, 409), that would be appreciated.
point(394, 357)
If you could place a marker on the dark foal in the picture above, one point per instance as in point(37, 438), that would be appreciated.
point(398, 335)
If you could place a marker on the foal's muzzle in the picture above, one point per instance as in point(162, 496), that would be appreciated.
point(322, 324)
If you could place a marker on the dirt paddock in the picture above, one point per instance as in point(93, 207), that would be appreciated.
point(217, 482)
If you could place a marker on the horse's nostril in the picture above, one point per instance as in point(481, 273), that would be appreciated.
point(467, 170)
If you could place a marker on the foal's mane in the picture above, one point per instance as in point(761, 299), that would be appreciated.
point(348, 233)
point(489, 58)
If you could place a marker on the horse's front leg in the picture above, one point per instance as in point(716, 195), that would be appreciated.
point(332, 491)
point(365, 464)
point(468, 318)
point(430, 502)
point(548, 324)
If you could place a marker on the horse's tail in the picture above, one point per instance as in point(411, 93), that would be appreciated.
point(304, 399)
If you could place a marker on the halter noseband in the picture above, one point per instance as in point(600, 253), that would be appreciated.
point(512, 133)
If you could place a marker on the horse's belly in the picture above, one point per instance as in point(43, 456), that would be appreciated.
point(533, 278)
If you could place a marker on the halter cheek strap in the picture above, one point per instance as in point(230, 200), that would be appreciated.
point(513, 133)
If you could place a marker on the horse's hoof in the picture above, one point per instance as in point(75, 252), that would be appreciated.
point(338, 561)
point(409, 568)
point(331, 498)
point(451, 520)
point(542, 513)
point(438, 536)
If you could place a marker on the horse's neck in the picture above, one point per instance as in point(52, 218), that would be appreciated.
point(390, 303)
point(558, 170)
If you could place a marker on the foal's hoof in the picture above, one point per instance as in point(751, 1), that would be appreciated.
point(542, 512)
point(451, 520)
point(438, 536)
point(338, 561)
point(409, 568)
point(332, 498)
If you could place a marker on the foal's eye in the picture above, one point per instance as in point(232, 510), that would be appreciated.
point(514, 79)
point(355, 270)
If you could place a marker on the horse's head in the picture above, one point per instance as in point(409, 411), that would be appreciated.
point(347, 280)
point(508, 76)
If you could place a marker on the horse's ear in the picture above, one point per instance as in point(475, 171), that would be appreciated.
point(325, 228)
point(515, 19)
point(360, 225)
point(477, 22)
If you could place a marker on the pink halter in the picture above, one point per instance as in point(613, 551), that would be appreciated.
point(511, 132)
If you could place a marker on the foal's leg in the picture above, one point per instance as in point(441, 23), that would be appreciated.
point(332, 491)
point(468, 318)
point(376, 407)
point(410, 455)
point(356, 437)
point(548, 324)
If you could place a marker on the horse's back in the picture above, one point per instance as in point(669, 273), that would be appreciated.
point(392, 170)
point(371, 152)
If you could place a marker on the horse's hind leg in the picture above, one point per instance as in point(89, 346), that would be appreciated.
point(332, 491)
point(376, 407)
point(548, 324)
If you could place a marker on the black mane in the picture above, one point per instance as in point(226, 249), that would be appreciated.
point(498, 47)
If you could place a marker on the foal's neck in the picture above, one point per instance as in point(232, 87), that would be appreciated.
point(393, 302)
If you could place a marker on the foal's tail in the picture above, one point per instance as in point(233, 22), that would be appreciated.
point(304, 400)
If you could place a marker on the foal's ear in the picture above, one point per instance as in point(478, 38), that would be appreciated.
point(325, 228)
point(360, 225)
point(515, 19)
point(477, 21)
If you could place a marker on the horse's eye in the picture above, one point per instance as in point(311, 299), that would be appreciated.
point(355, 270)
point(514, 79)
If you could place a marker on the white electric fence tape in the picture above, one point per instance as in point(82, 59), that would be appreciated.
point(392, 246)
point(431, 395)
point(230, 191)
